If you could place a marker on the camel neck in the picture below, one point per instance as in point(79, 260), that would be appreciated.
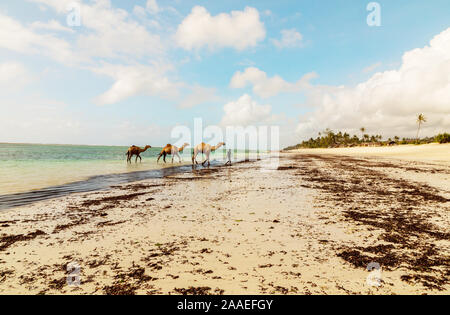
point(216, 147)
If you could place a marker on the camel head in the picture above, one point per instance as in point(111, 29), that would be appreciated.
point(148, 147)
point(183, 146)
point(220, 144)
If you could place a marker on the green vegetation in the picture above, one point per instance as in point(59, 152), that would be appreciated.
point(330, 139)
point(442, 138)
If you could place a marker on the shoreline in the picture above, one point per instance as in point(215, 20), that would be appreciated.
point(97, 183)
point(93, 183)
point(433, 153)
point(310, 227)
point(40, 167)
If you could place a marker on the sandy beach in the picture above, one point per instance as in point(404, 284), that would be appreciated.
point(312, 226)
point(431, 153)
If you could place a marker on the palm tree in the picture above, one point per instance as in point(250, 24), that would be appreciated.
point(421, 119)
point(362, 129)
point(366, 137)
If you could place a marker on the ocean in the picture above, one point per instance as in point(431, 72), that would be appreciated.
point(33, 172)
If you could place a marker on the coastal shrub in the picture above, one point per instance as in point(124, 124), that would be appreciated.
point(330, 139)
point(443, 138)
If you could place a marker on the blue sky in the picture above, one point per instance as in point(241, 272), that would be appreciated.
point(93, 84)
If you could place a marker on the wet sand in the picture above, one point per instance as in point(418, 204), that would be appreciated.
point(430, 153)
point(310, 227)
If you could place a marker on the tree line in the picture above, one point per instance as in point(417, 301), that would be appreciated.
point(331, 139)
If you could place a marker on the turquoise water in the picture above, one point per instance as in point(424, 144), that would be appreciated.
point(28, 167)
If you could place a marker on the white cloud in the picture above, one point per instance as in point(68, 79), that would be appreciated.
point(239, 30)
point(264, 86)
point(14, 76)
point(246, 63)
point(389, 101)
point(36, 119)
point(13, 73)
point(199, 95)
point(372, 68)
point(109, 36)
point(135, 80)
point(289, 39)
point(152, 6)
point(14, 36)
point(139, 11)
point(106, 34)
point(51, 25)
point(245, 111)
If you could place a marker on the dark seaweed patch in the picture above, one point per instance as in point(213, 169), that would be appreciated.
point(9, 240)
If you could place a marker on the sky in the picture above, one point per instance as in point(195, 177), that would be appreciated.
point(117, 72)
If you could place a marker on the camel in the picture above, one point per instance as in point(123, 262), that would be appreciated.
point(172, 150)
point(134, 150)
point(205, 149)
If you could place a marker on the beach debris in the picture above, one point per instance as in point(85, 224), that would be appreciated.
point(9, 240)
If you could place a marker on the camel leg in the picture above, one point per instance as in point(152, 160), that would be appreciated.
point(159, 157)
point(137, 155)
point(140, 158)
point(164, 158)
point(194, 157)
point(174, 153)
point(179, 157)
point(207, 159)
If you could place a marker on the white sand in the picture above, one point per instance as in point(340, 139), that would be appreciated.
point(236, 229)
point(434, 153)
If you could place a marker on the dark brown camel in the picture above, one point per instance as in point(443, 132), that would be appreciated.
point(134, 150)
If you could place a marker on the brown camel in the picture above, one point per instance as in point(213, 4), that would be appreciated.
point(205, 149)
point(134, 150)
point(172, 150)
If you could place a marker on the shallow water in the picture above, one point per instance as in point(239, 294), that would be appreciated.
point(94, 183)
point(28, 167)
point(33, 172)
